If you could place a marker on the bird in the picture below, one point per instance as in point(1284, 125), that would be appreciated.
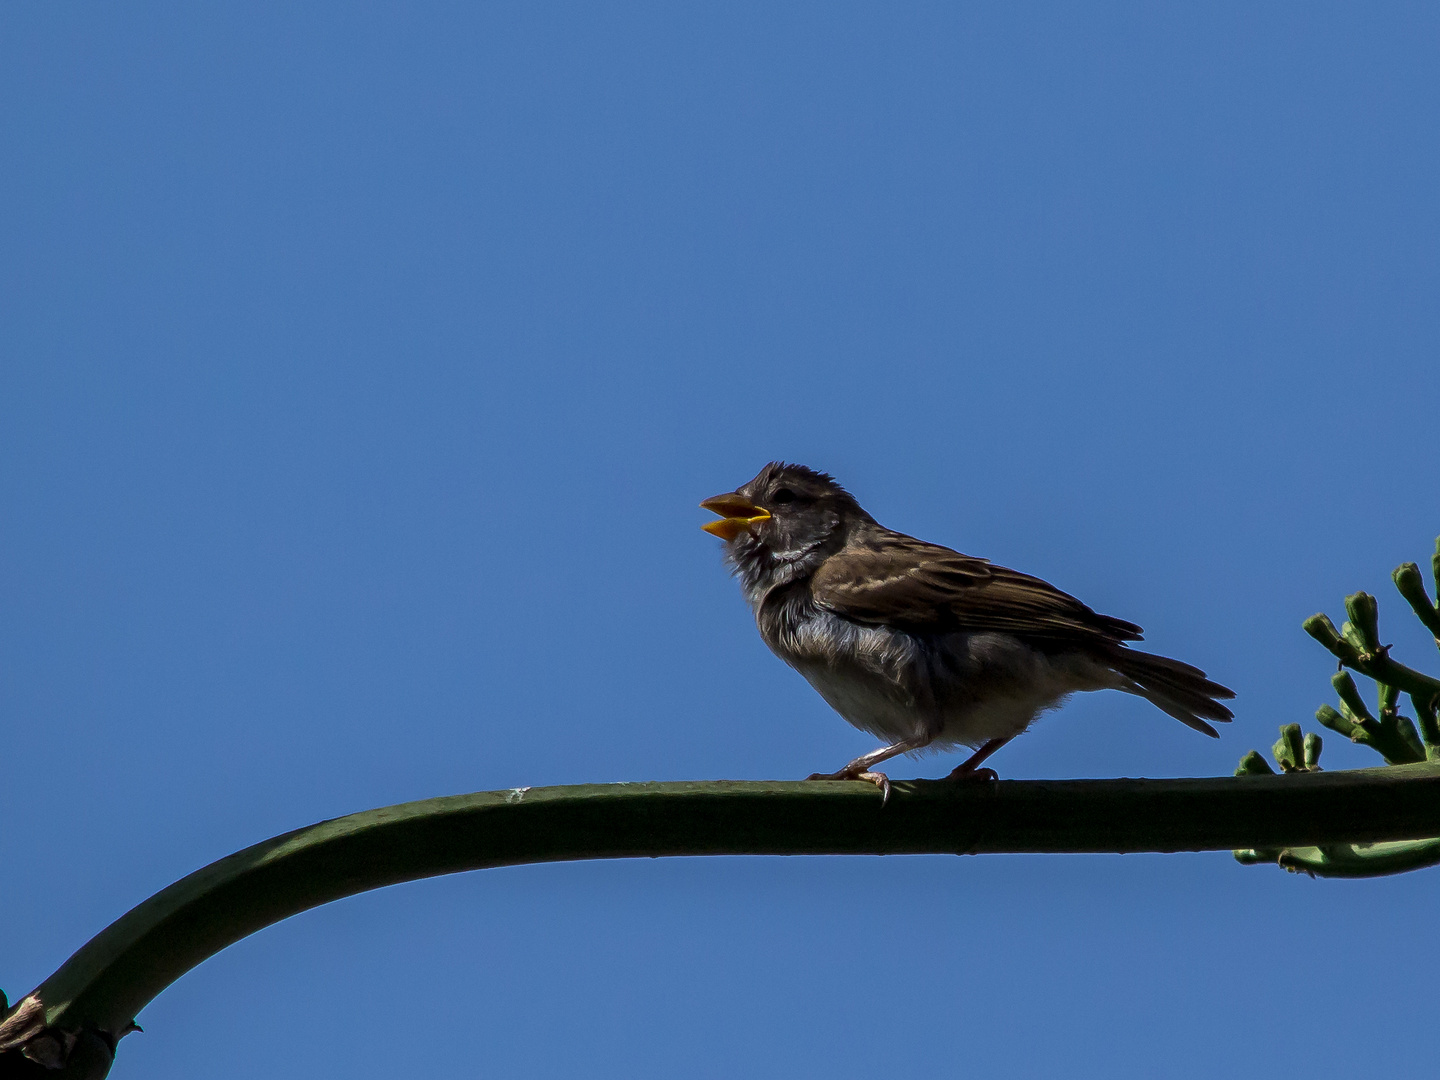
point(917, 644)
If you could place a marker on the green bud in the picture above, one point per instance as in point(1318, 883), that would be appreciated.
point(1323, 630)
point(1411, 585)
point(1410, 738)
point(1389, 696)
point(1350, 697)
point(1336, 723)
point(1289, 751)
point(1412, 588)
point(1365, 616)
point(1313, 745)
point(1425, 715)
point(1254, 764)
point(1352, 635)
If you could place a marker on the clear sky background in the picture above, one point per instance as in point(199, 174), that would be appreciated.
point(360, 371)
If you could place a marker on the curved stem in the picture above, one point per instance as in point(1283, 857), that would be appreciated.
point(109, 980)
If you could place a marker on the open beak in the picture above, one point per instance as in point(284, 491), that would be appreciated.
point(737, 514)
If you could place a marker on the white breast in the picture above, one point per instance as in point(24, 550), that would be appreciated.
point(994, 686)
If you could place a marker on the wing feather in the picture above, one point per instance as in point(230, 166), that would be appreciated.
point(900, 581)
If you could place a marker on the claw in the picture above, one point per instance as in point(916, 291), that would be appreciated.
point(970, 769)
point(879, 779)
point(963, 773)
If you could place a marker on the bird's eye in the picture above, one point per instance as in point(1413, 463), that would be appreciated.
point(783, 495)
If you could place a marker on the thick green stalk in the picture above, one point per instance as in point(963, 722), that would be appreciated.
point(108, 981)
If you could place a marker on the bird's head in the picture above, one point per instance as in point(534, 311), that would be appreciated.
point(785, 513)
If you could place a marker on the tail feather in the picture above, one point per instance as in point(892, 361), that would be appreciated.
point(1176, 688)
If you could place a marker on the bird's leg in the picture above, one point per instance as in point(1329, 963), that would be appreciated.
point(969, 769)
point(859, 769)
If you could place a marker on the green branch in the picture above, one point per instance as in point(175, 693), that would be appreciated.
point(1398, 739)
point(1374, 662)
point(95, 995)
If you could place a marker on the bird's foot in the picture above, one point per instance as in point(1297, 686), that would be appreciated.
point(972, 773)
point(970, 769)
point(879, 779)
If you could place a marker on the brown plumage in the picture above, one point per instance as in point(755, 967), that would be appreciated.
point(887, 577)
point(918, 643)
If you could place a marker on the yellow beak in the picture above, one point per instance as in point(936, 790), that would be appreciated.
point(737, 514)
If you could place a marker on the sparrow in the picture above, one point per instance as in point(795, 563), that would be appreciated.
point(917, 644)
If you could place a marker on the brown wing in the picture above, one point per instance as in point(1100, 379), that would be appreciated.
point(900, 581)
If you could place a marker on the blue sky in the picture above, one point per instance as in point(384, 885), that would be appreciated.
point(363, 366)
